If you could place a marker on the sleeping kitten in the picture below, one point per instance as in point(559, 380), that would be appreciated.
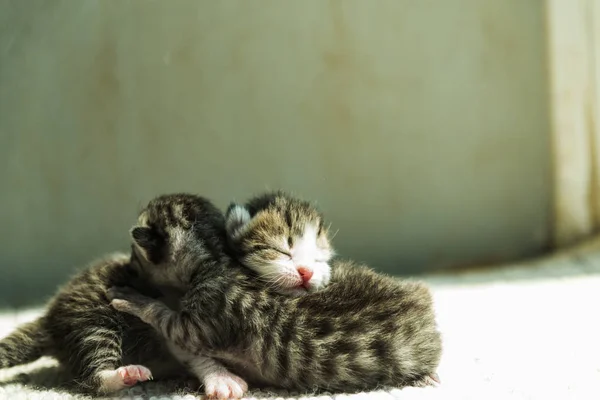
point(102, 348)
point(284, 240)
point(362, 331)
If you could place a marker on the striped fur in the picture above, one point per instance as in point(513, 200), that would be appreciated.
point(105, 350)
point(28, 343)
point(87, 336)
point(361, 331)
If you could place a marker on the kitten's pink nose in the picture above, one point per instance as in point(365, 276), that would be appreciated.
point(305, 273)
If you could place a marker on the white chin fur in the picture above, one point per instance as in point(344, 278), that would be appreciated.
point(321, 276)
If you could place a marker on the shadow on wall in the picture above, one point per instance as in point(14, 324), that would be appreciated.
point(420, 130)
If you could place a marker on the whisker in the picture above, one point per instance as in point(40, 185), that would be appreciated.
point(334, 235)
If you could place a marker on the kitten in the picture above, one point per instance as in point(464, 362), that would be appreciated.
point(361, 331)
point(102, 348)
point(284, 240)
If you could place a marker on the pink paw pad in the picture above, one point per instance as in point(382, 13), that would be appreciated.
point(132, 374)
point(224, 385)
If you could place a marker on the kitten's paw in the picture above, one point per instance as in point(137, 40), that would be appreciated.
point(122, 305)
point(122, 293)
point(132, 374)
point(127, 299)
point(120, 378)
point(224, 385)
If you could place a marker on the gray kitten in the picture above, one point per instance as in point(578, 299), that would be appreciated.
point(361, 331)
point(101, 349)
point(105, 350)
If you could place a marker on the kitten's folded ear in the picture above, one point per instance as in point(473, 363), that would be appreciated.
point(148, 241)
point(236, 220)
point(143, 236)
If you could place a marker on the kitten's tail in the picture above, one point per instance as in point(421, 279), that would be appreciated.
point(26, 344)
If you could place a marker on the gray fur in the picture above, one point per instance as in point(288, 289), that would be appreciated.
point(86, 335)
point(83, 332)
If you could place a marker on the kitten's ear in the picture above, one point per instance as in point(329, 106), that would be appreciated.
point(146, 240)
point(236, 220)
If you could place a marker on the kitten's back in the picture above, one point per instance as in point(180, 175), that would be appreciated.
point(362, 331)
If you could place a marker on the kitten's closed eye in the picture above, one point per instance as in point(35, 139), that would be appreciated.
point(284, 252)
point(267, 248)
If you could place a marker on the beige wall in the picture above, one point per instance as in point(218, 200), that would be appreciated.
point(421, 127)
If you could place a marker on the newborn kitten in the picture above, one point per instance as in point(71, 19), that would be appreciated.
point(362, 331)
point(284, 240)
point(101, 347)
point(98, 346)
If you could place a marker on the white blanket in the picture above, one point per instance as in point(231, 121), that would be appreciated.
point(526, 331)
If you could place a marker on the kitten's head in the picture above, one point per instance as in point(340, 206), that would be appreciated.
point(173, 234)
point(284, 240)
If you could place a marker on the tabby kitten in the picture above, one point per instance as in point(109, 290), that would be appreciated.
point(361, 331)
point(284, 240)
point(102, 348)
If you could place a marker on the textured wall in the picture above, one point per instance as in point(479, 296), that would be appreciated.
point(419, 126)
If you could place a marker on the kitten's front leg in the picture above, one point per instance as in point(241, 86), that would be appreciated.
point(177, 327)
point(184, 338)
point(129, 300)
point(217, 380)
